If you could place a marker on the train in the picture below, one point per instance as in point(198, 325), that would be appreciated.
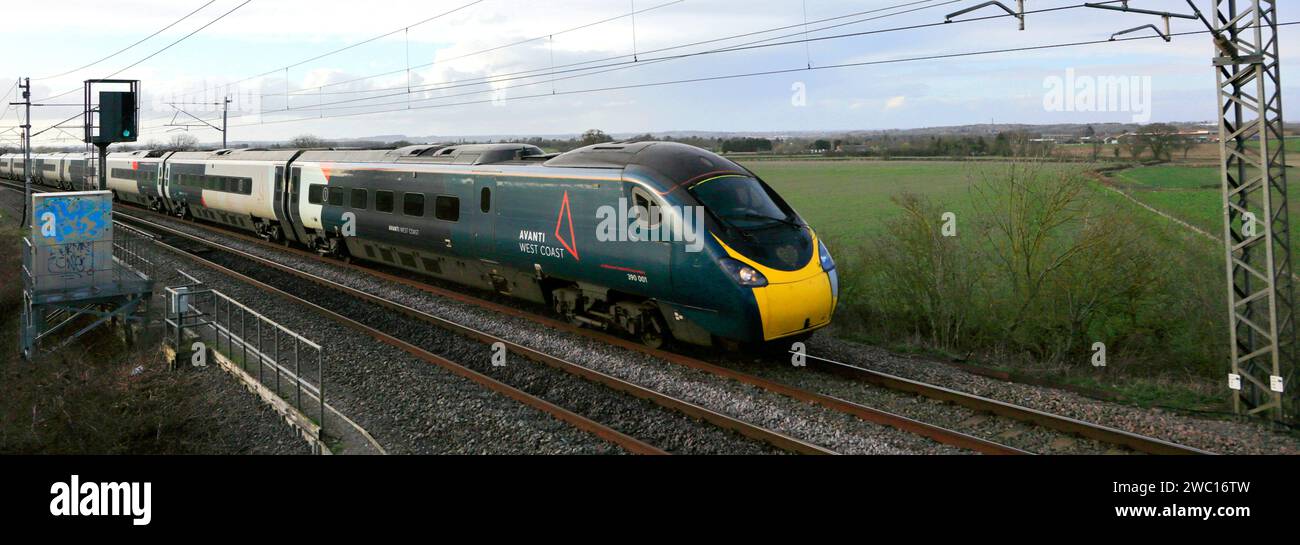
point(659, 241)
point(66, 171)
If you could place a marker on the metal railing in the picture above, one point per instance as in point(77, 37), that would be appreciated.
point(103, 266)
point(254, 342)
point(129, 246)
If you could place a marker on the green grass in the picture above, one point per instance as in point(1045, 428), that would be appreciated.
point(852, 199)
point(849, 202)
point(1173, 177)
point(1192, 194)
point(1292, 144)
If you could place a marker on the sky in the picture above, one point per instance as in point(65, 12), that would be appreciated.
point(541, 67)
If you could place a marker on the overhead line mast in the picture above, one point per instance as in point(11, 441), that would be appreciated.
point(1256, 223)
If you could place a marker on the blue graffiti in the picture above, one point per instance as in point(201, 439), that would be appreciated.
point(76, 219)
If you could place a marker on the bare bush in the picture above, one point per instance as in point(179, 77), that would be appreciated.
point(1045, 267)
point(920, 277)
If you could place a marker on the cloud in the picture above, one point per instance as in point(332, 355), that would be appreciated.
point(507, 49)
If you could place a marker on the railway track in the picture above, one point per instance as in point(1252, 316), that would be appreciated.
point(167, 236)
point(1057, 423)
point(784, 442)
point(604, 431)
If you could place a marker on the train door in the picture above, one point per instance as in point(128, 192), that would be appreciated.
point(647, 260)
point(277, 201)
point(293, 210)
point(485, 217)
point(164, 183)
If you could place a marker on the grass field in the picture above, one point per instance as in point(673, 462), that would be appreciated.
point(849, 203)
point(847, 200)
point(1191, 194)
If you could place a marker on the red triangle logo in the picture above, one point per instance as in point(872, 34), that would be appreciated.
point(566, 213)
point(325, 170)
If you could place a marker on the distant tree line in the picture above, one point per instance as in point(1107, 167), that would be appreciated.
point(1159, 141)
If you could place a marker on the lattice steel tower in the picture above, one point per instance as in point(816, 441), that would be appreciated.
point(1256, 224)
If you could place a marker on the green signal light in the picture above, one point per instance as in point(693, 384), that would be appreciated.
point(126, 133)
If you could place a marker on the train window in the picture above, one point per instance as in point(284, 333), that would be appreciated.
point(247, 186)
point(384, 201)
point(413, 204)
point(446, 208)
point(359, 199)
point(485, 199)
point(314, 192)
point(336, 195)
point(646, 208)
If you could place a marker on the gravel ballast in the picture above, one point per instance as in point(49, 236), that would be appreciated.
point(1216, 435)
point(409, 405)
point(837, 431)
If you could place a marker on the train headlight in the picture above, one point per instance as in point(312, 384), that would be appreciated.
point(743, 274)
point(828, 264)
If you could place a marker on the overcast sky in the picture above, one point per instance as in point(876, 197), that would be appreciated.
point(451, 55)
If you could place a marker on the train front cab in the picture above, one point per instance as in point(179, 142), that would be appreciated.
point(785, 274)
point(761, 274)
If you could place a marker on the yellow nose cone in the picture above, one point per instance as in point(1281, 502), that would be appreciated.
point(793, 301)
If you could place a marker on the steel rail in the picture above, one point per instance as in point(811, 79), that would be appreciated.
point(870, 414)
point(632, 444)
point(687, 408)
point(1105, 434)
point(1099, 432)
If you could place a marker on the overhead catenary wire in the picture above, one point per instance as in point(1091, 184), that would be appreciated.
point(125, 49)
point(156, 53)
point(336, 51)
point(5, 100)
point(758, 44)
point(615, 57)
point(1020, 49)
point(610, 67)
point(549, 36)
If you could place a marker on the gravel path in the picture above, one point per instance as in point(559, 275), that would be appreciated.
point(243, 424)
point(837, 431)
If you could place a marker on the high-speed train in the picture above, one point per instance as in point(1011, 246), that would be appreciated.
point(657, 240)
point(60, 170)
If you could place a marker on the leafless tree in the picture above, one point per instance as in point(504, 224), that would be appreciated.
point(307, 141)
point(595, 136)
point(182, 142)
